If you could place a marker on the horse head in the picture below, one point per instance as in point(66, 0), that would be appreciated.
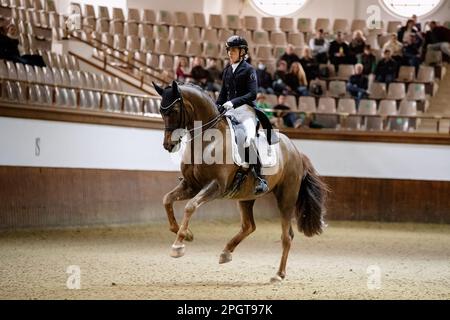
point(173, 113)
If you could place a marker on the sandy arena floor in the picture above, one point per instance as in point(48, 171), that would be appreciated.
point(134, 263)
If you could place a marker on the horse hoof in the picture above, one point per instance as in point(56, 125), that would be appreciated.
point(189, 236)
point(225, 257)
point(276, 279)
point(178, 251)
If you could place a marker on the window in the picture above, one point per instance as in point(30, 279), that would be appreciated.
point(278, 7)
point(406, 8)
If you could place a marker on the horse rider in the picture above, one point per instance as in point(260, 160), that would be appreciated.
point(240, 87)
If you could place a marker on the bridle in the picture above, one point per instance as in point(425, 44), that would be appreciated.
point(182, 120)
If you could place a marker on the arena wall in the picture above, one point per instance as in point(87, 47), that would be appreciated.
point(68, 174)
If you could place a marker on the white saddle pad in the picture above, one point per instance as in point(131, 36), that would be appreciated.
point(268, 154)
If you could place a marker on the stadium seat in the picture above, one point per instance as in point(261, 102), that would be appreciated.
point(268, 24)
point(396, 91)
point(287, 24)
point(304, 25)
point(250, 23)
point(406, 74)
point(348, 106)
point(327, 105)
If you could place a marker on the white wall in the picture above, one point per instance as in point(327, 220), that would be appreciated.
point(73, 145)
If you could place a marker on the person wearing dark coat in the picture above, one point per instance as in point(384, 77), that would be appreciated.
point(386, 70)
point(339, 51)
point(240, 87)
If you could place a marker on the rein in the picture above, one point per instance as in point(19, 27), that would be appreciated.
point(180, 124)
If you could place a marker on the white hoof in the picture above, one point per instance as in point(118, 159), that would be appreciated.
point(276, 279)
point(178, 251)
point(225, 257)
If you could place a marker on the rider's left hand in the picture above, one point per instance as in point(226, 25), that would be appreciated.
point(228, 105)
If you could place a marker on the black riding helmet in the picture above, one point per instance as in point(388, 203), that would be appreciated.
point(237, 42)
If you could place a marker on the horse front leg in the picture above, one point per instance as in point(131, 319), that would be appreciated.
point(180, 193)
point(208, 193)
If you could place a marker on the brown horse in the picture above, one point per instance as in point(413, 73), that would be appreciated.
point(297, 187)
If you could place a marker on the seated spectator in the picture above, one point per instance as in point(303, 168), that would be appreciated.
point(289, 118)
point(262, 104)
point(412, 51)
point(309, 64)
point(215, 75)
point(438, 38)
point(405, 31)
point(9, 47)
point(279, 79)
point(264, 79)
point(296, 81)
point(339, 51)
point(319, 46)
point(358, 84)
point(395, 47)
point(368, 60)
point(356, 46)
point(386, 70)
point(182, 70)
point(200, 76)
point(290, 56)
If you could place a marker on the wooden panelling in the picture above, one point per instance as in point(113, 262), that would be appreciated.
point(47, 197)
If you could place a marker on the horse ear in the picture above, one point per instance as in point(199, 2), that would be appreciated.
point(158, 88)
point(175, 87)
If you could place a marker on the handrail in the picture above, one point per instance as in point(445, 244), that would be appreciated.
point(127, 62)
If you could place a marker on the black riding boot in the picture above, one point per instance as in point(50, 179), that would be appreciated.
point(261, 183)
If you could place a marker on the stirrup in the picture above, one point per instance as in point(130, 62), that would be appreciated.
point(261, 186)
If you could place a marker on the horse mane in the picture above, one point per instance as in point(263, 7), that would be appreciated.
point(199, 91)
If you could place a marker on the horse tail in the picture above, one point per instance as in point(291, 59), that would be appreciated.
point(310, 208)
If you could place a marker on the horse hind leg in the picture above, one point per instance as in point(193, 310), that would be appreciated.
point(286, 203)
point(180, 193)
point(247, 227)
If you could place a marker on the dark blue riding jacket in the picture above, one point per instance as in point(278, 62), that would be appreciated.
point(240, 87)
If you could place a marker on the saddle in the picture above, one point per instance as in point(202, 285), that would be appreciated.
point(245, 133)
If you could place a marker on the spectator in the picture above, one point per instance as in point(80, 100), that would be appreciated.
point(358, 84)
point(215, 75)
point(438, 38)
point(411, 51)
point(200, 76)
point(339, 51)
point(395, 47)
point(309, 64)
point(416, 23)
point(289, 118)
point(296, 81)
point(262, 104)
point(357, 46)
point(386, 69)
point(290, 56)
point(9, 46)
point(405, 31)
point(319, 46)
point(181, 72)
point(264, 79)
point(368, 60)
point(279, 81)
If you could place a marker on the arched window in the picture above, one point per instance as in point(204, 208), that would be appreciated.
point(278, 7)
point(406, 8)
